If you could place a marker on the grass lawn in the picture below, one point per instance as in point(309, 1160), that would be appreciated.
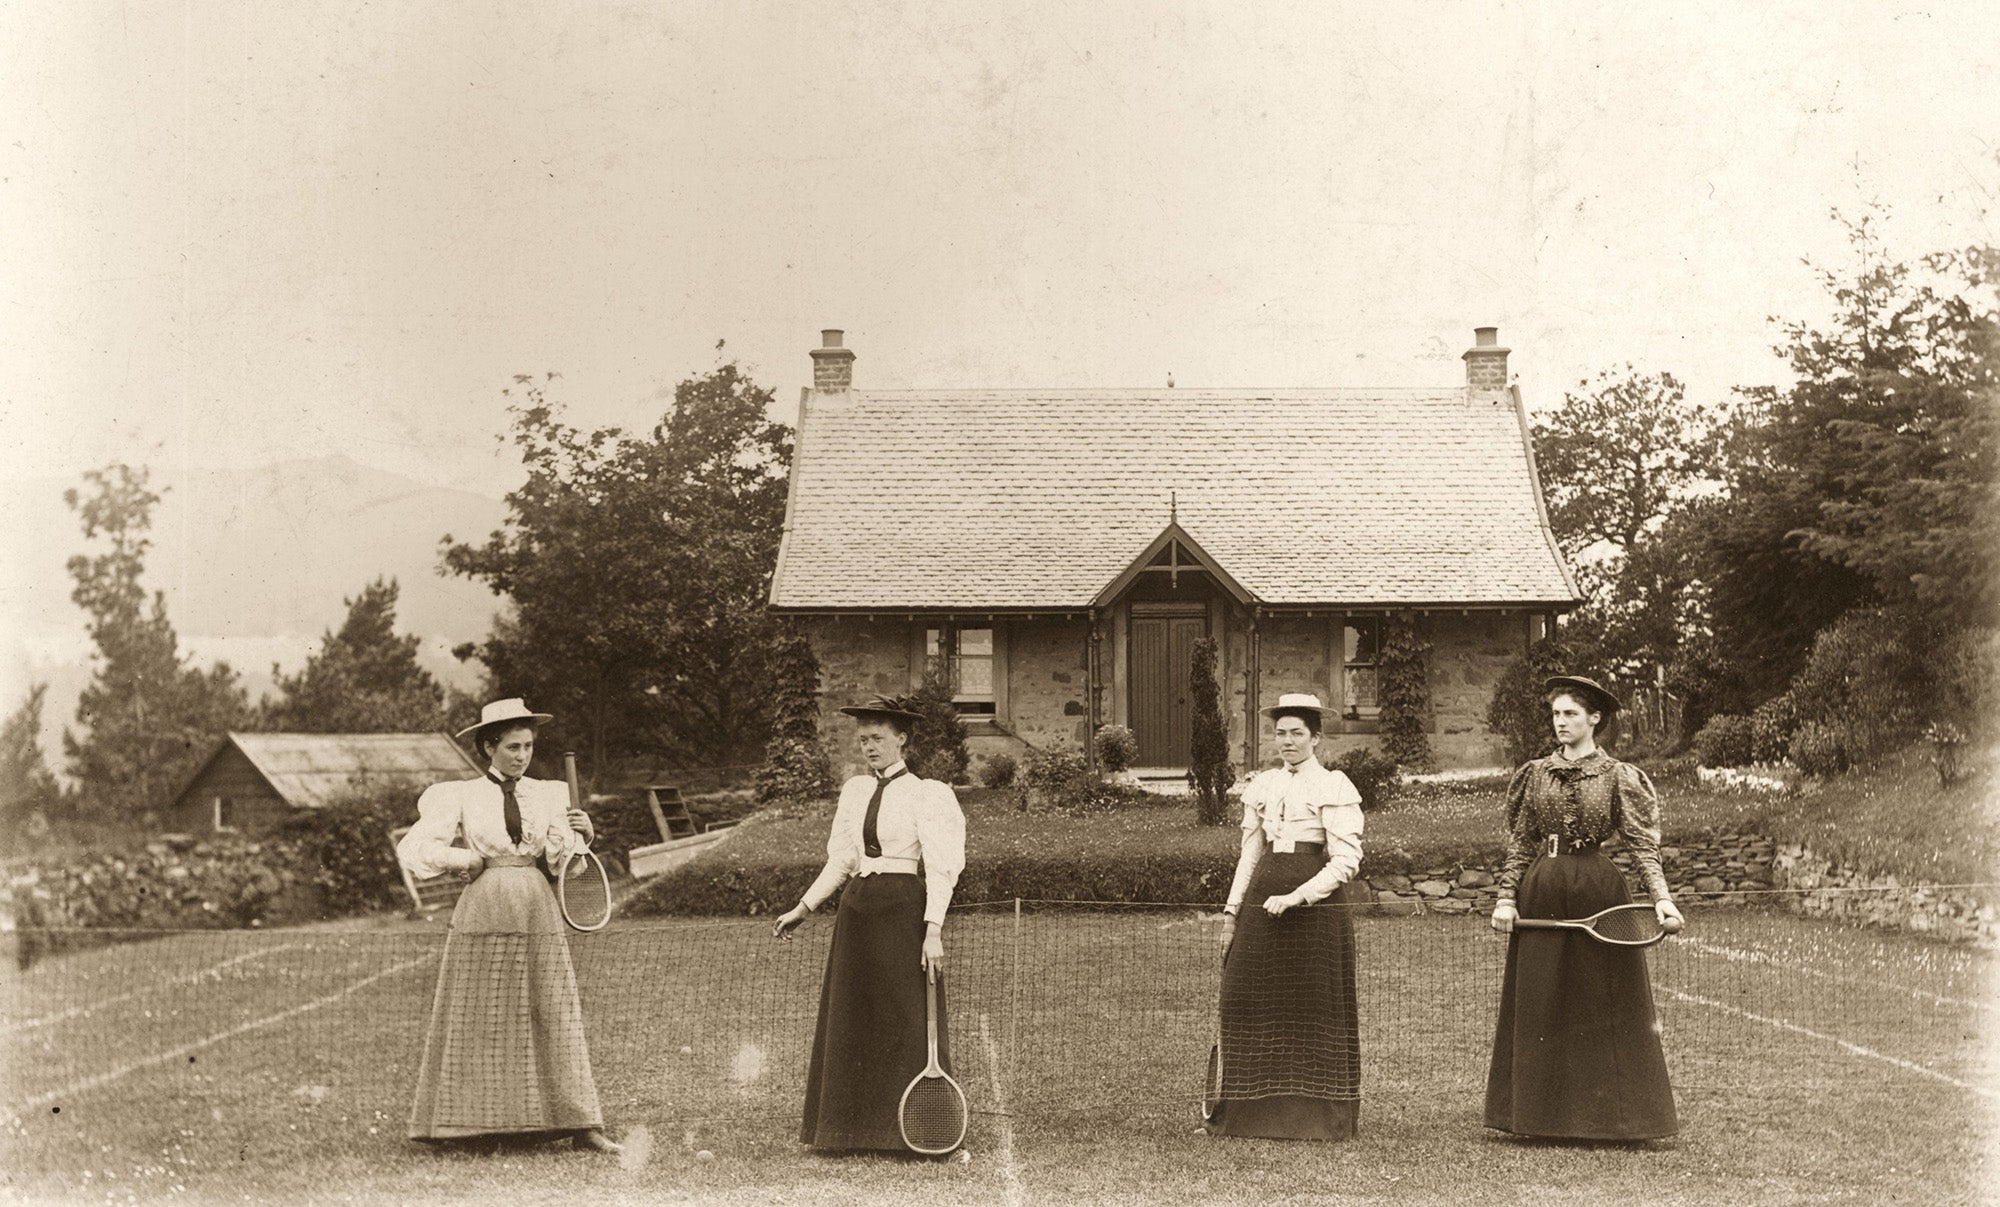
point(1896, 819)
point(1811, 1063)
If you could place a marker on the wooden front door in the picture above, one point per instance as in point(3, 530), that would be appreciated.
point(1162, 705)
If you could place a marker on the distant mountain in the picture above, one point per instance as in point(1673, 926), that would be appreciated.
point(255, 564)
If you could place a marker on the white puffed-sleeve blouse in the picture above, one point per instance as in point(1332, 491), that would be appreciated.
point(475, 808)
point(919, 821)
point(1301, 803)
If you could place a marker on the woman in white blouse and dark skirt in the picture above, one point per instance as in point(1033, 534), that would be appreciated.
point(504, 1054)
point(1291, 1053)
point(1577, 1052)
point(897, 845)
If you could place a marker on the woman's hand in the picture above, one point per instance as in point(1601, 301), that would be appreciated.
point(933, 948)
point(1228, 930)
point(580, 822)
point(789, 921)
point(1669, 915)
point(1503, 917)
point(1278, 905)
point(471, 871)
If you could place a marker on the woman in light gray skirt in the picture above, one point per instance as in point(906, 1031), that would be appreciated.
point(504, 1054)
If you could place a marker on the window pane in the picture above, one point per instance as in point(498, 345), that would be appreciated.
point(1364, 639)
point(975, 642)
point(975, 678)
point(1360, 690)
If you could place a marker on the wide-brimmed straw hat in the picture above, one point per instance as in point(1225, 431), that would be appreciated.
point(511, 709)
point(1290, 702)
point(882, 706)
point(1595, 695)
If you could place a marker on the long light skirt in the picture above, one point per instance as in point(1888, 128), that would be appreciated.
point(505, 1053)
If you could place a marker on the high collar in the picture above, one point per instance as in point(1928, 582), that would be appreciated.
point(1595, 763)
point(503, 780)
point(894, 769)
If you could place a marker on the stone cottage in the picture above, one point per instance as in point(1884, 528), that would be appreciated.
point(1062, 550)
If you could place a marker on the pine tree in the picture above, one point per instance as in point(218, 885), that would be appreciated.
point(148, 717)
point(363, 679)
point(26, 786)
point(1210, 772)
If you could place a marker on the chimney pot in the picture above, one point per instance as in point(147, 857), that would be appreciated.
point(1486, 360)
point(833, 363)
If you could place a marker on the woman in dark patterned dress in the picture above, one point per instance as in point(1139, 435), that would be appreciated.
point(1577, 1053)
point(1291, 1053)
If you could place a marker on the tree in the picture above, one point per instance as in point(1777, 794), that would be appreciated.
point(1210, 773)
point(637, 568)
point(363, 679)
point(937, 742)
point(1624, 459)
point(26, 786)
point(148, 716)
point(1619, 455)
point(1404, 675)
point(1869, 481)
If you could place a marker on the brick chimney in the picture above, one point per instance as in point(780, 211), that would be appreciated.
point(1485, 360)
point(833, 365)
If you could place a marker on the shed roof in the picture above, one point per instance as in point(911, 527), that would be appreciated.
point(1024, 499)
point(314, 769)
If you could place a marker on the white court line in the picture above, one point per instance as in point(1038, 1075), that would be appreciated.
point(1010, 1174)
point(186, 978)
point(1854, 1048)
point(158, 1058)
point(1754, 955)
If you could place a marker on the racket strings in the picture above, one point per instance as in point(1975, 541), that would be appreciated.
point(585, 890)
point(934, 1115)
point(1629, 925)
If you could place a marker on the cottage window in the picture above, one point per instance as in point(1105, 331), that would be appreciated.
point(223, 814)
point(968, 656)
point(1362, 656)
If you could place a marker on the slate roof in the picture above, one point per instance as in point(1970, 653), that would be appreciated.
point(313, 769)
point(1023, 499)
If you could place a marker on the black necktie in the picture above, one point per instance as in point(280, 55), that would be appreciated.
point(871, 842)
point(510, 806)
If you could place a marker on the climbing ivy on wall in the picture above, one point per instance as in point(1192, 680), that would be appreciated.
point(1403, 689)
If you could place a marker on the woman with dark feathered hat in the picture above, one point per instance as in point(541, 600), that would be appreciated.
point(894, 852)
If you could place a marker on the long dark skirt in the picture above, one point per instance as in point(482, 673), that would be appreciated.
point(1577, 1052)
point(504, 1053)
point(1291, 1052)
point(870, 1040)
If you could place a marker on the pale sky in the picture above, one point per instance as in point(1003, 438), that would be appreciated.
point(238, 232)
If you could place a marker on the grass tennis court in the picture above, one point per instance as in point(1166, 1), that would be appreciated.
point(1811, 1063)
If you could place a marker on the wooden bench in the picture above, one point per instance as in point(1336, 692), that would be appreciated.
point(432, 893)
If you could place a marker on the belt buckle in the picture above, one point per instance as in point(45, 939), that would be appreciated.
point(1284, 846)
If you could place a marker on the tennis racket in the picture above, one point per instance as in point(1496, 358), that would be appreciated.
point(583, 887)
point(1620, 926)
point(1211, 1093)
point(932, 1113)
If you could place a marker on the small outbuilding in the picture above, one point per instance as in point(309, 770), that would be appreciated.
point(254, 781)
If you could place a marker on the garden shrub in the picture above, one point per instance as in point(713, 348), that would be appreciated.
point(346, 848)
point(1771, 728)
point(180, 884)
point(1518, 712)
point(998, 771)
point(1817, 750)
point(1724, 741)
point(937, 745)
point(1865, 682)
point(1061, 780)
point(1117, 748)
point(1210, 773)
point(1374, 774)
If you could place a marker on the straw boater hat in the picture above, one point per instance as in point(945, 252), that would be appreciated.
point(1596, 697)
point(1290, 702)
point(882, 706)
point(511, 709)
